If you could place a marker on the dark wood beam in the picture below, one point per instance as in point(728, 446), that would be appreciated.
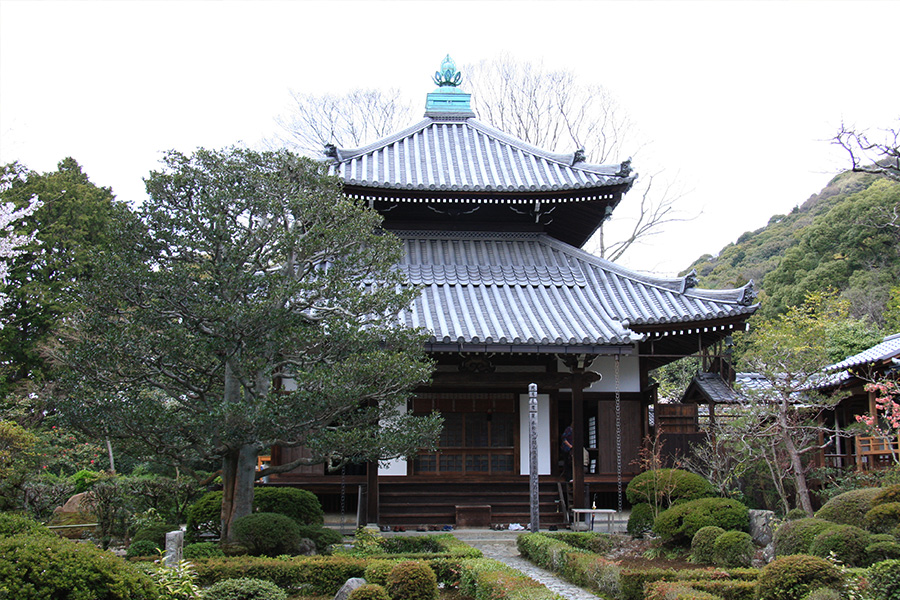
point(482, 381)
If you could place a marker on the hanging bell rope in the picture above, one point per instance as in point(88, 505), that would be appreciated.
point(618, 436)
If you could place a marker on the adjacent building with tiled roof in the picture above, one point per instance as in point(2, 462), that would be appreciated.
point(492, 229)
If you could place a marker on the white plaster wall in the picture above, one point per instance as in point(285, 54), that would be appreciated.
point(543, 435)
point(629, 374)
point(396, 466)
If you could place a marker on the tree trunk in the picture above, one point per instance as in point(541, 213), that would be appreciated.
point(238, 476)
point(796, 467)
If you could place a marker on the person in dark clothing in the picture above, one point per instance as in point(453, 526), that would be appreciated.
point(566, 445)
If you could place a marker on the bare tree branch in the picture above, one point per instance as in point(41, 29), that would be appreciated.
point(866, 156)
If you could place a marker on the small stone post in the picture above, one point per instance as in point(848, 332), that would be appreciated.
point(533, 456)
point(174, 548)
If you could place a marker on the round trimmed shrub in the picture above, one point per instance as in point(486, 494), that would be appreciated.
point(11, 524)
point(883, 518)
point(267, 534)
point(203, 550)
point(640, 521)
point(205, 515)
point(794, 514)
point(795, 537)
point(882, 546)
point(664, 486)
point(61, 568)
point(300, 505)
point(733, 549)
point(679, 524)
point(884, 577)
point(369, 591)
point(792, 577)
point(243, 588)
point(849, 508)
point(142, 548)
point(887, 494)
point(412, 580)
point(848, 543)
point(702, 543)
point(377, 571)
point(323, 537)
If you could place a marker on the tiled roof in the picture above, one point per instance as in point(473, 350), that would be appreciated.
point(528, 289)
point(465, 155)
point(889, 348)
point(715, 389)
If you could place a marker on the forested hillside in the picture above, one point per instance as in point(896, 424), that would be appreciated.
point(846, 237)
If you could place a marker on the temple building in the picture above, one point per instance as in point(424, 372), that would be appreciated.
point(492, 229)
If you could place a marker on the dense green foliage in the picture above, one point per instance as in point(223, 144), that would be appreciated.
point(369, 591)
point(883, 518)
point(34, 567)
point(412, 580)
point(663, 487)
point(836, 239)
point(733, 549)
point(679, 524)
point(11, 524)
point(202, 550)
point(849, 508)
point(640, 521)
point(143, 548)
point(795, 537)
point(243, 589)
point(846, 542)
point(267, 534)
point(885, 580)
point(702, 543)
point(792, 577)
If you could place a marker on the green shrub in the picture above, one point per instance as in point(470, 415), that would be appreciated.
point(243, 589)
point(202, 550)
point(795, 537)
point(267, 534)
point(664, 487)
point(369, 591)
point(733, 549)
point(849, 508)
point(846, 542)
point(884, 577)
point(883, 518)
point(205, 515)
point(882, 547)
point(794, 514)
point(792, 577)
point(601, 543)
point(640, 521)
point(824, 594)
point(678, 524)
point(702, 543)
point(153, 533)
point(323, 537)
point(42, 566)
point(887, 494)
point(377, 571)
point(409, 545)
point(675, 590)
point(318, 575)
point(487, 579)
point(412, 580)
point(12, 524)
point(632, 581)
point(143, 548)
point(84, 480)
point(300, 505)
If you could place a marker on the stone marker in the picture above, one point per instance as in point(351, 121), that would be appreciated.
point(174, 548)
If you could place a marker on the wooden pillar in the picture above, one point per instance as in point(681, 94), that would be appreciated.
point(372, 492)
point(578, 438)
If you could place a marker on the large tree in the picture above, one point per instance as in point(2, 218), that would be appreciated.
point(550, 108)
point(251, 304)
point(70, 220)
point(877, 153)
point(790, 352)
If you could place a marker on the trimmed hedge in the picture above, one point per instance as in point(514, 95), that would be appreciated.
point(792, 577)
point(702, 543)
point(663, 487)
point(580, 567)
point(887, 494)
point(12, 524)
point(733, 549)
point(412, 580)
point(640, 521)
point(42, 566)
point(323, 575)
point(679, 524)
point(601, 543)
point(883, 518)
point(795, 537)
point(369, 591)
point(205, 515)
point(732, 584)
point(267, 534)
point(243, 589)
point(849, 508)
point(846, 542)
point(884, 578)
point(675, 590)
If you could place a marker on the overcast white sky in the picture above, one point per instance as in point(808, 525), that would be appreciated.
point(738, 98)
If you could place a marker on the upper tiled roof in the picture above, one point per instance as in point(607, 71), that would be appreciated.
point(528, 289)
point(461, 154)
point(889, 348)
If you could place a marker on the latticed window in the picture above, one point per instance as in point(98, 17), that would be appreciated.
point(471, 442)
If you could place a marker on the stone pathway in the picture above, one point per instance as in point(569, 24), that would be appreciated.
point(501, 546)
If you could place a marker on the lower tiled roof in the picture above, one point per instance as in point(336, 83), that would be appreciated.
point(528, 289)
